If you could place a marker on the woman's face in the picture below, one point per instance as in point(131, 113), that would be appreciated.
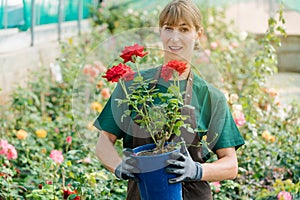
point(178, 41)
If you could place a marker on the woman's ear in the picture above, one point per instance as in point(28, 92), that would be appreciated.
point(200, 32)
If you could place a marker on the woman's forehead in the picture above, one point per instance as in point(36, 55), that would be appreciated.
point(177, 24)
point(171, 21)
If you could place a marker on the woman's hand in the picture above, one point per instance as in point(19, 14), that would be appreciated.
point(183, 165)
point(126, 169)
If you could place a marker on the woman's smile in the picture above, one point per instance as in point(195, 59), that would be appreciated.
point(175, 49)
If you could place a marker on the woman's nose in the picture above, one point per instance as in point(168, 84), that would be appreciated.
point(175, 36)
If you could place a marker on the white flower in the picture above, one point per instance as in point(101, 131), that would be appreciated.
point(129, 11)
point(243, 35)
point(56, 72)
point(233, 98)
point(237, 107)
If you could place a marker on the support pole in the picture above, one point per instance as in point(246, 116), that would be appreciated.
point(5, 13)
point(32, 22)
point(60, 17)
point(79, 16)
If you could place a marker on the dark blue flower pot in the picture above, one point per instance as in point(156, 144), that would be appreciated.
point(154, 183)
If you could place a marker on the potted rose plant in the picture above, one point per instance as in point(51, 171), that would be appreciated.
point(157, 113)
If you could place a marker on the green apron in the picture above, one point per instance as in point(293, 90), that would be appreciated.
point(192, 190)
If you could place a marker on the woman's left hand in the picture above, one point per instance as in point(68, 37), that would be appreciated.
point(183, 165)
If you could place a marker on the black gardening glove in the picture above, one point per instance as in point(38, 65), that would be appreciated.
point(126, 169)
point(183, 165)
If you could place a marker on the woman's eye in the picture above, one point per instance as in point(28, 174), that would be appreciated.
point(168, 28)
point(184, 30)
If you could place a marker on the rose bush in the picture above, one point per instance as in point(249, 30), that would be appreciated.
point(52, 153)
point(268, 164)
point(140, 96)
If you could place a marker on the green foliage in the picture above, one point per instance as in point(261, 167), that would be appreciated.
point(51, 106)
point(268, 163)
point(245, 62)
point(158, 113)
point(120, 17)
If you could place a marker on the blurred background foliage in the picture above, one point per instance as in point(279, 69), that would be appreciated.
point(64, 101)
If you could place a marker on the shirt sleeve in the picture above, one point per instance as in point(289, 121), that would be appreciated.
point(222, 130)
point(230, 135)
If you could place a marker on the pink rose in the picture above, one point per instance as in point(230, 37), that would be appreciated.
point(234, 44)
point(207, 52)
point(217, 186)
point(69, 139)
point(284, 195)
point(86, 69)
point(87, 160)
point(239, 117)
point(213, 45)
point(3, 146)
point(91, 71)
point(57, 156)
point(11, 152)
point(8, 150)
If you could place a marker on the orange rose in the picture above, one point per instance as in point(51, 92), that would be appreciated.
point(267, 136)
point(99, 84)
point(272, 92)
point(272, 139)
point(21, 134)
point(41, 133)
point(105, 93)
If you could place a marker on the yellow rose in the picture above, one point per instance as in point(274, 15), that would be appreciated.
point(21, 134)
point(43, 150)
point(41, 133)
point(266, 135)
point(96, 106)
point(70, 40)
point(90, 126)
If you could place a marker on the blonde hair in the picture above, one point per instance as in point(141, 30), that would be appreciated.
point(184, 10)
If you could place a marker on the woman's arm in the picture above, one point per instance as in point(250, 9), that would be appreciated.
point(106, 151)
point(226, 167)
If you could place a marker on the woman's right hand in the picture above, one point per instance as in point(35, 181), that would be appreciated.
point(126, 169)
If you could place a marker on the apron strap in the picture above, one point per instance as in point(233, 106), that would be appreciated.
point(189, 89)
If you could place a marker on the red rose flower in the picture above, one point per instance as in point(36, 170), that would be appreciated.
point(166, 72)
point(67, 193)
point(179, 66)
point(167, 69)
point(119, 71)
point(130, 52)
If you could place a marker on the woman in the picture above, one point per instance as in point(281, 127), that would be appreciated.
point(180, 30)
